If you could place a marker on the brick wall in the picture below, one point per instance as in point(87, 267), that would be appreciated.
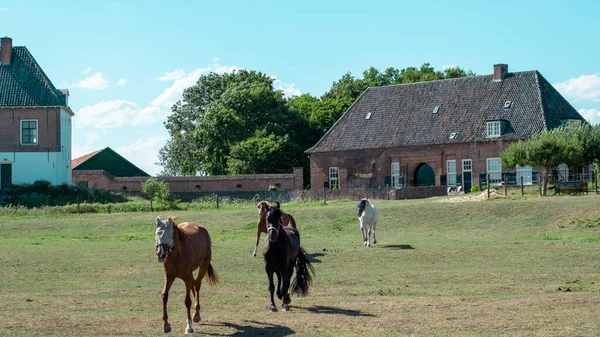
point(48, 129)
point(100, 179)
point(370, 167)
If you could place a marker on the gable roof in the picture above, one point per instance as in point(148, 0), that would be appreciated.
point(23, 83)
point(402, 115)
point(109, 161)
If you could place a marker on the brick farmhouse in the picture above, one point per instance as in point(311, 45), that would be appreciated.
point(437, 133)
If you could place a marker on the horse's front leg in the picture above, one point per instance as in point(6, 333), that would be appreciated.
point(165, 298)
point(279, 293)
point(257, 241)
point(362, 231)
point(189, 283)
point(270, 271)
point(368, 242)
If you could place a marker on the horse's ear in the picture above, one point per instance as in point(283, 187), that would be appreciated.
point(170, 220)
point(158, 221)
point(277, 204)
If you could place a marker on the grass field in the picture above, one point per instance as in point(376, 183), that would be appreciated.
point(503, 267)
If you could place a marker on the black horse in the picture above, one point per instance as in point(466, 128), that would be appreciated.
point(282, 252)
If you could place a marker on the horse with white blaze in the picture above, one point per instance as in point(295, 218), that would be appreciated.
point(367, 214)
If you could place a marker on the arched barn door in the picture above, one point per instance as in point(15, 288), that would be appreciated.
point(424, 175)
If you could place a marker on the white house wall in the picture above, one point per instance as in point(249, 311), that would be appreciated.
point(47, 166)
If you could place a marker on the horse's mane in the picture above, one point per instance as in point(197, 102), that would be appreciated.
point(266, 203)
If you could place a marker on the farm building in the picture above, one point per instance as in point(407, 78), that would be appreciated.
point(107, 170)
point(438, 133)
point(35, 121)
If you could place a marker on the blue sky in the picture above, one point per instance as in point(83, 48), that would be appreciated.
point(127, 62)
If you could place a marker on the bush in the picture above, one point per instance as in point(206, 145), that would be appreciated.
point(475, 188)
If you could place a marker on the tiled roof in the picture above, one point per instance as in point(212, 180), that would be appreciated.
point(402, 115)
point(24, 83)
point(78, 161)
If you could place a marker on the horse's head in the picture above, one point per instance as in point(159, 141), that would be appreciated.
point(263, 208)
point(273, 223)
point(164, 238)
point(362, 204)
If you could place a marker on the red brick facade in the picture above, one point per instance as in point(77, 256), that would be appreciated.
point(49, 129)
point(99, 179)
point(364, 168)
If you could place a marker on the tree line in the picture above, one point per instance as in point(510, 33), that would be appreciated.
point(238, 123)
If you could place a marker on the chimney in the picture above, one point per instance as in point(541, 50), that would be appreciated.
point(5, 50)
point(500, 71)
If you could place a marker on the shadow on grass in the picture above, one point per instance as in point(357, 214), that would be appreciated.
point(313, 258)
point(320, 309)
point(398, 247)
point(256, 329)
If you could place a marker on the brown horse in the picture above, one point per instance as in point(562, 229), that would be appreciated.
point(282, 251)
point(261, 227)
point(182, 249)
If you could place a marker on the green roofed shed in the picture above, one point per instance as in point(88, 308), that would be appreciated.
point(109, 161)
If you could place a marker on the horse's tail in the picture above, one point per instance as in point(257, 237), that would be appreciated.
point(292, 221)
point(303, 278)
point(212, 277)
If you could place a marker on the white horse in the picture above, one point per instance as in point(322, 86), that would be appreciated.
point(367, 214)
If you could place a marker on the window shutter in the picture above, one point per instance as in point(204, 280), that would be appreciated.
point(388, 180)
point(482, 179)
point(325, 183)
point(459, 179)
point(443, 180)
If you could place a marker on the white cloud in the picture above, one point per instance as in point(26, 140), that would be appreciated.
point(215, 60)
point(3, 9)
point(289, 90)
point(144, 152)
point(172, 76)
point(591, 115)
point(584, 87)
point(121, 81)
point(94, 82)
point(107, 115)
point(87, 70)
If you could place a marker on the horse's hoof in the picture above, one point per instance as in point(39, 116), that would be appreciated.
point(189, 330)
point(254, 255)
point(374, 241)
point(197, 319)
point(167, 329)
point(272, 309)
point(365, 243)
point(285, 307)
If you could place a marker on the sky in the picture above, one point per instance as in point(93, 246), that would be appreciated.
point(126, 62)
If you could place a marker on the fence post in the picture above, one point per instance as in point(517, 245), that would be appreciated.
point(217, 201)
point(489, 185)
point(522, 189)
point(324, 196)
point(504, 182)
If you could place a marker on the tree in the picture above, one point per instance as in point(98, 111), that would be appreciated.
point(226, 112)
point(546, 150)
point(156, 190)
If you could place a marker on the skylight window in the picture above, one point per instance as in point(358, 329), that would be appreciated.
point(452, 135)
point(436, 109)
point(507, 105)
point(368, 116)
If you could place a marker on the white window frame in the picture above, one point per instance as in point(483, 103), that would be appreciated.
point(494, 171)
point(563, 171)
point(451, 172)
point(494, 129)
point(395, 169)
point(526, 173)
point(37, 133)
point(334, 173)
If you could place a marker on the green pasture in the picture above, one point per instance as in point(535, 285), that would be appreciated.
point(501, 267)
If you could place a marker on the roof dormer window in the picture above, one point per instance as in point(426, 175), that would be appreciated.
point(436, 109)
point(494, 129)
point(368, 116)
point(507, 105)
